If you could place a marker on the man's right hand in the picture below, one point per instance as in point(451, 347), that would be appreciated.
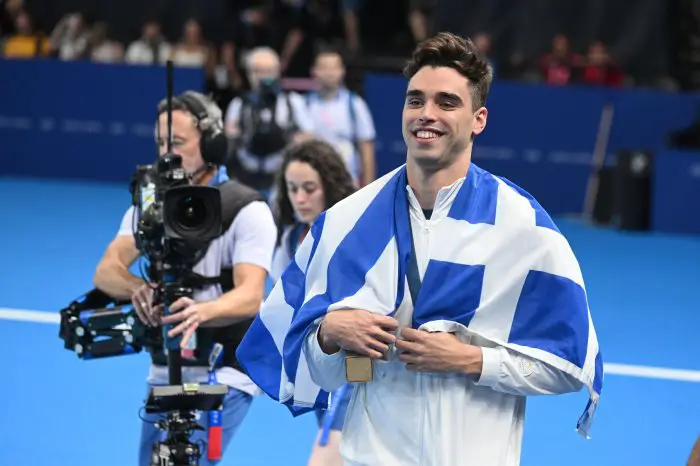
point(357, 331)
point(142, 299)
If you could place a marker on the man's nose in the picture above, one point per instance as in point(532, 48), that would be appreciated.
point(428, 113)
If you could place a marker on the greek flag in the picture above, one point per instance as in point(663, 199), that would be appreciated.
point(499, 268)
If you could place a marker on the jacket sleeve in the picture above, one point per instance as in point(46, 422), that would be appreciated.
point(327, 370)
point(509, 372)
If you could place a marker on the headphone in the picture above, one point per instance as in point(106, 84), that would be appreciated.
point(213, 143)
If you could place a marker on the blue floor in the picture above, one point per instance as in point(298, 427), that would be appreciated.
point(58, 410)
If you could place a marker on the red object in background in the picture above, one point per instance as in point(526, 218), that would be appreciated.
point(558, 71)
point(214, 447)
point(602, 75)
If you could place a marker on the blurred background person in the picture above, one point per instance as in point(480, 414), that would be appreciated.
point(69, 38)
point(312, 179)
point(151, 48)
point(342, 117)
point(263, 122)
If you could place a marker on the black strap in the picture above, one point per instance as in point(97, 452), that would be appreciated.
point(412, 274)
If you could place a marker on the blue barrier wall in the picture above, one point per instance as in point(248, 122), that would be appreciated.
point(81, 120)
point(543, 138)
point(84, 120)
point(676, 187)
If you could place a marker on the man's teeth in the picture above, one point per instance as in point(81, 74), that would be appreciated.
point(427, 135)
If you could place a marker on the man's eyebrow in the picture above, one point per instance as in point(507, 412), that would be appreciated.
point(450, 96)
point(414, 93)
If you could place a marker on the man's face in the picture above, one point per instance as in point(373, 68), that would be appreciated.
point(264, 65)
point(151, 31)
point(329, 70)
point(185, 139)
point(438, 120)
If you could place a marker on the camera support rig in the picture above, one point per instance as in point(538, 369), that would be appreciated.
point(172, 251)
point(93, 331)
point(173, 242)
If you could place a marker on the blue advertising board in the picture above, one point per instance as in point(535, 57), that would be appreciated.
point(676, 192)
point(81, 119)
point(95, 121)
point(542, 137)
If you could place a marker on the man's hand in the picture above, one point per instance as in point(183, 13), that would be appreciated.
point(190, 315)
point(142, 299)
point(358, 331)
point(437, 352)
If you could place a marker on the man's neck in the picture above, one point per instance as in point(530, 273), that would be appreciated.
point(205, 177)
point(427, 184)
point(328, 93)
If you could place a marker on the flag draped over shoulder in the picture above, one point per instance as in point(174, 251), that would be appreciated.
point(499, 268)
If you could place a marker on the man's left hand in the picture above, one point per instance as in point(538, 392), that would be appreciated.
point(190, 315)
point(437, 352)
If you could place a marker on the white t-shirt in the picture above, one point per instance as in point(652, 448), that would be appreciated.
point(251, 240)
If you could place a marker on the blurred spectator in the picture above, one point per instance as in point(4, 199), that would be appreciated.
point(420, 18)
point(557, 66)
point(100, 49)
point(316, 24)
point(8, 16)
point(599, 69)
point(70, 37)
point(263, 122)
point(250, 28)
point(482, 41)
point(25, 42)
point(350, 10)
point(342, 117)
point(191, 50)
point(151, 48)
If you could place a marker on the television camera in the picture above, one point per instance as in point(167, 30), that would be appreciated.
point(174, 224)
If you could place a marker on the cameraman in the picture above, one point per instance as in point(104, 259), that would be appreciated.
point(241, 256)
point(264, 121)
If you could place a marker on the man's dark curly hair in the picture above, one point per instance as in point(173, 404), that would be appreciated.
point(448, 50)
point(335, 178)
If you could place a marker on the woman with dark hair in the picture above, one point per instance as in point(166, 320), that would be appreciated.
point(312, 179)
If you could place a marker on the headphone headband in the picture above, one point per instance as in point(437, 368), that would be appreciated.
point(213, 143)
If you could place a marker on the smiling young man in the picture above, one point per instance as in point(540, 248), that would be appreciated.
point(453, 287)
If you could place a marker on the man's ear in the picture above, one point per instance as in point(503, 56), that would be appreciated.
point(480, 118)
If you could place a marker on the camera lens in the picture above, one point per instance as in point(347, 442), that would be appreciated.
point(191, 212)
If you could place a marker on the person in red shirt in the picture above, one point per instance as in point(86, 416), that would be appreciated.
point(557, 67)
point(599, 69)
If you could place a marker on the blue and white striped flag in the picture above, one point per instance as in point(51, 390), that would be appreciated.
point(499, 268)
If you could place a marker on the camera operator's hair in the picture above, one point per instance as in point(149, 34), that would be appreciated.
point(250, 56)
point(336, 180)
point(448, 50)
point(213, 111)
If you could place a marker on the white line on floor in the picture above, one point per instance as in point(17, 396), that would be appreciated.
point(611, 368)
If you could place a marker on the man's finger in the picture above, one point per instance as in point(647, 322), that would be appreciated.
point(383, 336)
point(177, 330)
point(365, 350)
point(388, 323)
point(378, 345)
point(173, 318)
point(180, 304)
point(149, 310)
point(407, 346)
point(411, 334)
point(152, 319)
point(139, 312)
point(188, 334)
